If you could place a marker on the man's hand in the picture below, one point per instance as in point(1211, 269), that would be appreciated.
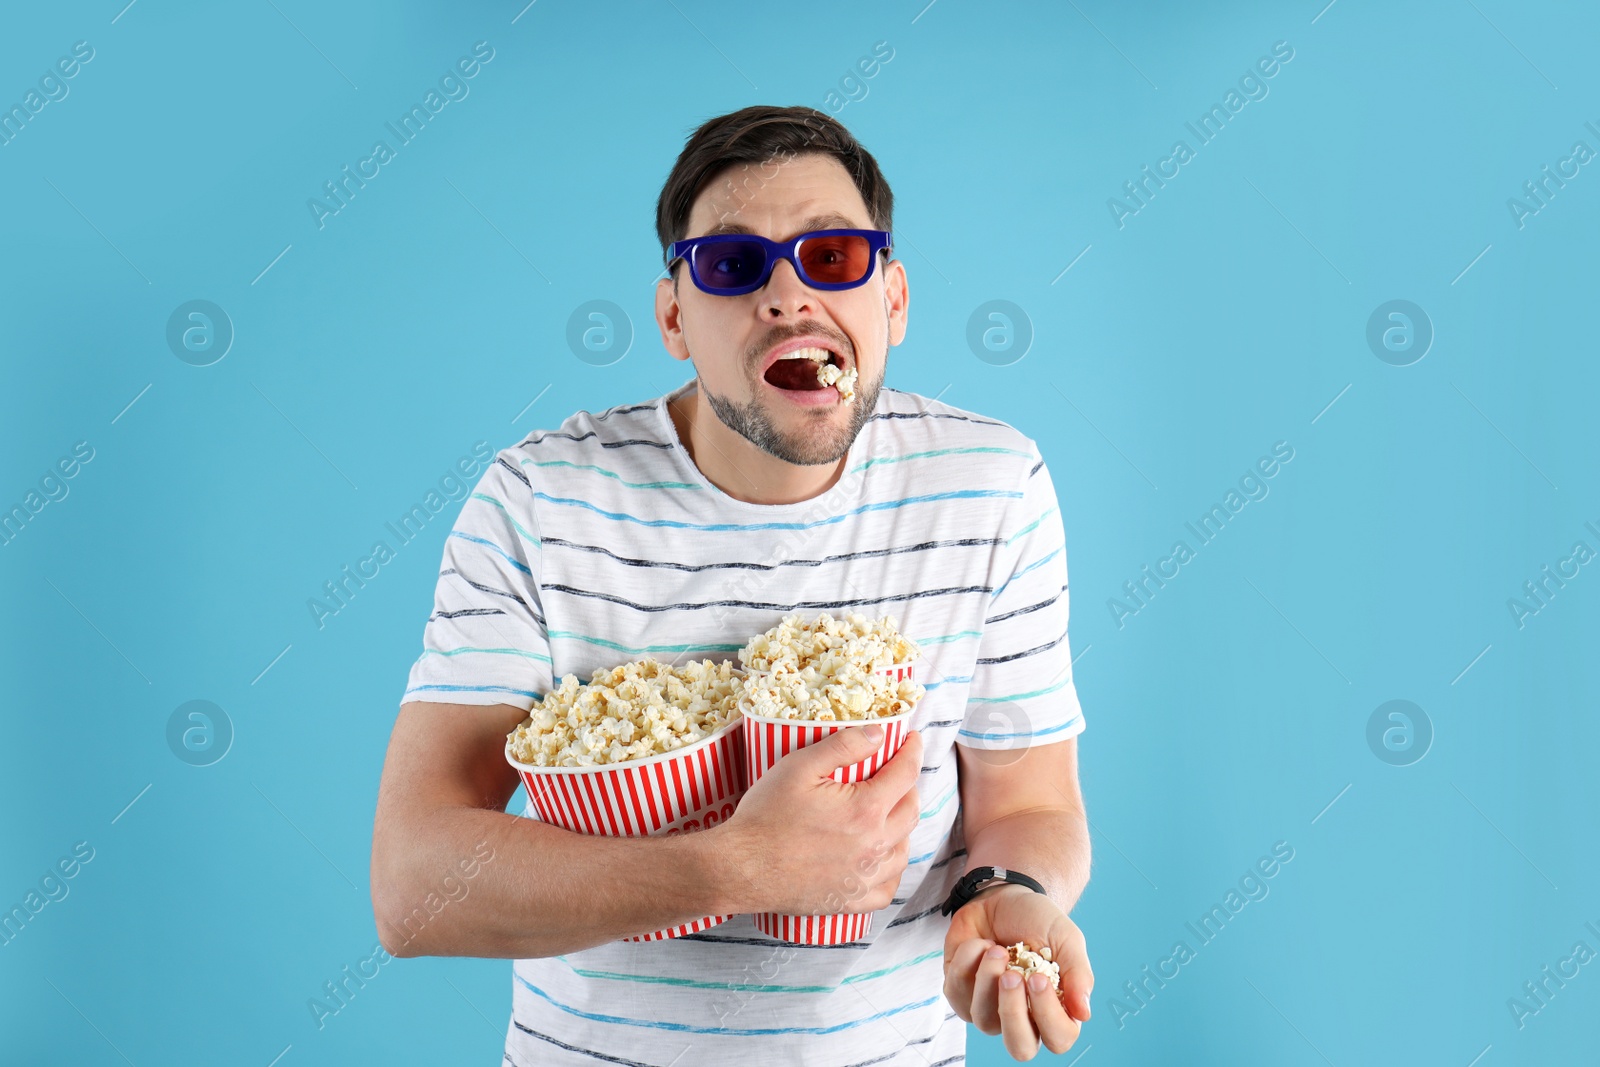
point(984, 992)
point(805, 844)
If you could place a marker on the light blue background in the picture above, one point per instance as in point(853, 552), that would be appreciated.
point(1224, 316)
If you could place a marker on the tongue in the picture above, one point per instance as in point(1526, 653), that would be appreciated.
point(794, 374)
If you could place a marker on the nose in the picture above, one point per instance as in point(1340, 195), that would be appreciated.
point(785, 296)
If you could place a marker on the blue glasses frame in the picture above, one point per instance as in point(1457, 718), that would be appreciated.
point(772, 252)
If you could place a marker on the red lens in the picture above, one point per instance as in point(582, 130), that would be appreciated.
point(836, 260)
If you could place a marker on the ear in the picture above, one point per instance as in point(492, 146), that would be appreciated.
point(896, 298)
point(669, 319)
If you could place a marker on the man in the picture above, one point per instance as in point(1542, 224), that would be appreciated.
point(679, 527)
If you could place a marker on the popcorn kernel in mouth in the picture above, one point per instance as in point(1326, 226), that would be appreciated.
point(829, 374)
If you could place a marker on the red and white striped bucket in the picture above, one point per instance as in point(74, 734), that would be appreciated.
point(688, 789)
point(767, 740)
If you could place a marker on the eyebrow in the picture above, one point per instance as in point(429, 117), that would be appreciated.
point(829, 221)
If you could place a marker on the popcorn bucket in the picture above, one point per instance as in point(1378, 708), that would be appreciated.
point(688, 789)
point(768, 740)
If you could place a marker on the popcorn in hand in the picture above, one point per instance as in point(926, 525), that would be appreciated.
point(640, 709)
point(1022, 958)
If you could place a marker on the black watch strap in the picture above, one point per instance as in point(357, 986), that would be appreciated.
point(977, 878)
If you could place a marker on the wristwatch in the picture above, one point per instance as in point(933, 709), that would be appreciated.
point(980, 878)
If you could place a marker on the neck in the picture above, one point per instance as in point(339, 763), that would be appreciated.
point(739, 468)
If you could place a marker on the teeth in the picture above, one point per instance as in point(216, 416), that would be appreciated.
point(819, 354)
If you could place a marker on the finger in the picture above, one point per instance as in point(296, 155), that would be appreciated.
point(986, 990)
point(892, 780)
point(906, 814)
point(960, 971)
point(1077, 981)
point(1016, 1028)
point(884, 880)
point(839, 749)
point(1057, 1029)
point(913, 748)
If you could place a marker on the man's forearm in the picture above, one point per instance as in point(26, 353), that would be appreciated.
point(538, 890)
point(1051, 845)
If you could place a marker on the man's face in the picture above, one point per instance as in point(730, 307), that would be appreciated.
point(732, 339)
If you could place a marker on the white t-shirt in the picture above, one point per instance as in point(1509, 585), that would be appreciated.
point(601, 542)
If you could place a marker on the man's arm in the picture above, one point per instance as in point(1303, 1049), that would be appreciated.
point(1022, 809)
point(454, 875)
point(1020, 801)
point(545, 890)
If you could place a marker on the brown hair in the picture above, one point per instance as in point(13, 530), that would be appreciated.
point(765, 135)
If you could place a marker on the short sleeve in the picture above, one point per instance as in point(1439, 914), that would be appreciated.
point(486, 641)
point(1022, 692)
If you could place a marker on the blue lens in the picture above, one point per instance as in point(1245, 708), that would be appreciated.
point(729, 264)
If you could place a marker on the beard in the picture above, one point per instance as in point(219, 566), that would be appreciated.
point(819, 440)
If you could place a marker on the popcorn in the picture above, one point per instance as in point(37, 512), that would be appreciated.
point(1022, 958)
point(828, 374)
point(826, 670)
point(640, 709)
point(855, 695)
point(828, 643)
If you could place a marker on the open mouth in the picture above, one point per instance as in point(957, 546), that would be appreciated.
point(798, 371)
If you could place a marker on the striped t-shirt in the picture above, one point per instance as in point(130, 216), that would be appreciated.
point(600, 542)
